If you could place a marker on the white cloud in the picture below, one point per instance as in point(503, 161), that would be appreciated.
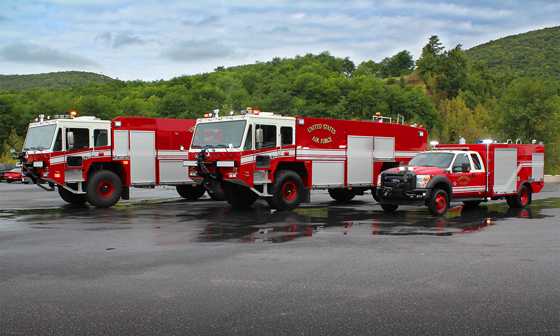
point(28, 53)
point(155, 39)
point(193, 51)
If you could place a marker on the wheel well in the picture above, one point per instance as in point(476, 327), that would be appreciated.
point(115, 167)
point(298, 167)
point(528, 186)
point(443, 186)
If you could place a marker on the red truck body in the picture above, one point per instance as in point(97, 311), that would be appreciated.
point(471, 173)
point(97, 161)
point(282, 158)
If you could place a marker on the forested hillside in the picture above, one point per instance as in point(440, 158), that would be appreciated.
point(54, 80)
point(450, 95)
point(532, 54)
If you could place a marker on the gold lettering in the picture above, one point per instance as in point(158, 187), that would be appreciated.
point(314, 127)
point(321, 140)
point(329, 128)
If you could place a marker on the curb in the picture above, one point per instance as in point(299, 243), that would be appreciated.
point(552, 179)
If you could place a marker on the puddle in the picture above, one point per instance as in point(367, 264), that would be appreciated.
point(179, 222)
point(277, 227)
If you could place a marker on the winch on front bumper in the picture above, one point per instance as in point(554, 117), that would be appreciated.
point(210, 173)
point(400, 188)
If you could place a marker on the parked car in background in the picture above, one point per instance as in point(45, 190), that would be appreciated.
point(5, 167)
point(15, 175)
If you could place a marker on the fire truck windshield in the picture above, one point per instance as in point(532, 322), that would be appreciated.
point(39, 138)
point(219, 134)
point(433, 159)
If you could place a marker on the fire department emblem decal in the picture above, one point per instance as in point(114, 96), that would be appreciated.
point(463, 180)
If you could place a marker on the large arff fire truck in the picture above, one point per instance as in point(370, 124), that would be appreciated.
point(261, 154)
point(468, 173)
point(97, 161)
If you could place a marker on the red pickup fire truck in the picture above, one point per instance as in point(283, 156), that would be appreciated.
point(471, 173)
point(97, 161)
point(281, 158)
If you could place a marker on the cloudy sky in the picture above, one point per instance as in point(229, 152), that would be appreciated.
point(161, 39)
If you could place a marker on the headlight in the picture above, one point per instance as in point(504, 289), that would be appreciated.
point(379, 180)
point(422, 181)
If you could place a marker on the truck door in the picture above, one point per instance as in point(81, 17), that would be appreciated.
point(266, 150)
point(478, 174)
point(462, 178)
point(78, 153)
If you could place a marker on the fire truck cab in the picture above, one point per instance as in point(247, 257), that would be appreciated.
point(262, 154)
point(97, 161)
point(469, 173)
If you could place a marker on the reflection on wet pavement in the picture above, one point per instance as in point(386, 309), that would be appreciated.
point(179, 222)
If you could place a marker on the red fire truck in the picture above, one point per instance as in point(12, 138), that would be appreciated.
point(97, 161)
point(281, 158)
point(471, 173)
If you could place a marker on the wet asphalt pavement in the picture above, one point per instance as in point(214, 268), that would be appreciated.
point(160, 265)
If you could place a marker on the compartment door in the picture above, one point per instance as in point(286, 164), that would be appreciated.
point(360, 161)
point(142, 157)
point(505, 170)
point(538, 167)
point(120, 144)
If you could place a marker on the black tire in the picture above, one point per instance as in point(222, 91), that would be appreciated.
point(374, 195)
point(191, 192)
point(70, 197)
point(389, 207)
point(521, 200)
point(103, 189)
point(342, 194)
point(287, 191)
point(438, 202)
point(238, 196)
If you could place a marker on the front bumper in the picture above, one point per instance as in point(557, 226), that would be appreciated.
point(400, 196)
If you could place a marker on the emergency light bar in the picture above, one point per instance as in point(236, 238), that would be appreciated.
point(255, 112)
point(64, 116)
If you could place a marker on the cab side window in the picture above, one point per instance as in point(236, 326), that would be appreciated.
point(476, 162)
point(269, 136)
point(458, 164)
point(100, 138)
point(81, 138)
point(286, 133)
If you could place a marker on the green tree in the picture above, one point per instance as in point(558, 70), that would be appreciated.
point(530, 109)
point(13, 141)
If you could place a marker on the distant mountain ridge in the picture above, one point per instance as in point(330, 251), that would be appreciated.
point(53, 80)
point(531, 54)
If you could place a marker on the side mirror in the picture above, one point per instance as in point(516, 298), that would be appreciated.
point(70, 140)
point(465, 167)
point(259, 137)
